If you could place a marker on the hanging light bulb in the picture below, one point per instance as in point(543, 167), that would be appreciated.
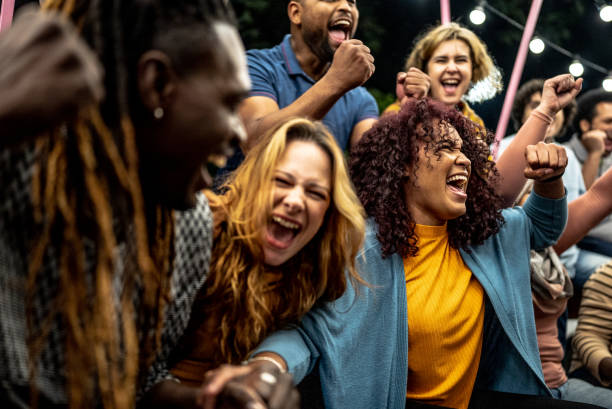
point(478, 16)
point(576, 68)
point(606, 13)
point(607, 83)
point(536, 45)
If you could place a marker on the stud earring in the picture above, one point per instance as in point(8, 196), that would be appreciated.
point(158, 113)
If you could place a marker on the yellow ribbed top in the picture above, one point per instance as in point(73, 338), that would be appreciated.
point(445, 322)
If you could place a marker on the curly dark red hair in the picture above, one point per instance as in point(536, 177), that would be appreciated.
point(379, 166)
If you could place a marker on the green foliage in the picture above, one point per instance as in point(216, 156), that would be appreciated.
point(383, 99)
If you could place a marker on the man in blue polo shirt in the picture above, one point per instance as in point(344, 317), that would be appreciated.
point(316, 72)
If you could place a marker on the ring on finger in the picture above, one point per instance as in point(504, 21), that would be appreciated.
point(267, 377)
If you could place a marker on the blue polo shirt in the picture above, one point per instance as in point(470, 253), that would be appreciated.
point(275, 73)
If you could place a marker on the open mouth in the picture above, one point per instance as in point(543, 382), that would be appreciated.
point(450, 86)
point(281, 231)
point(340, 30)
point(457, 183)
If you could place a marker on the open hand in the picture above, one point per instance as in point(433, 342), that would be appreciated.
point(545, 162)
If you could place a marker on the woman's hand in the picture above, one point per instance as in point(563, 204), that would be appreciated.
point(557, 92)
point(546, 164)
point(412, 84)
point(257, 385)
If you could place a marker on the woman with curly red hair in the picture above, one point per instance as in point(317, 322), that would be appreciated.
point(447, 318)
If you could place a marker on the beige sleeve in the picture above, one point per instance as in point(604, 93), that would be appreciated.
point(593, 337)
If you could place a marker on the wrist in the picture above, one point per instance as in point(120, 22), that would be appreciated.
point(263, 359)
point(335, 87)
point(544, 114)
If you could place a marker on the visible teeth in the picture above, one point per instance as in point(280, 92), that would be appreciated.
point(285, 223)
point(450, 82)
point(457, 178)
point(343, 23)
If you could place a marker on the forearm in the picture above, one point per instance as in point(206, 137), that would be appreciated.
point(313, 104)
point(586, 212)
point(590, 169)
point(553, 189)
point(169, 394)
point(512, 161)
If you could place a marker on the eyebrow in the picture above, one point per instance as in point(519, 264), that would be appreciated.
point(308, 183)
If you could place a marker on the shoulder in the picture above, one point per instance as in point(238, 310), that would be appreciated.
point(193, 235)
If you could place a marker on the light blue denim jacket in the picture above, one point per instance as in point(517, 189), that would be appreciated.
point(360, 341)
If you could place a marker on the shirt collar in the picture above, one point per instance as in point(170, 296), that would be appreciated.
point(579, 149)
point(293, 66)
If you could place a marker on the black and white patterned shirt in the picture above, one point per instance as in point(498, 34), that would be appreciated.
point(193, 232)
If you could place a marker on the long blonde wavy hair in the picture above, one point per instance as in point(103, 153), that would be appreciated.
point(245, 300)
point(486, 77)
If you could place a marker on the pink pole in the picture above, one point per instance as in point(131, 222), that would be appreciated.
point(445, 15)
point(517, 71)
point(6, 13)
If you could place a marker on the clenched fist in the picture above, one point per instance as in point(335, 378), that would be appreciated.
point(545, 162)
point(352, 65)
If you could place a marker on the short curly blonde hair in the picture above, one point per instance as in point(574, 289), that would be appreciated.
point(483, 67)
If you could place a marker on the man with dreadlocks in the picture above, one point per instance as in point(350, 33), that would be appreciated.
point(97, 274)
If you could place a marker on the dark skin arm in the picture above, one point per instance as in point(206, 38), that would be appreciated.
point(545, 165)
point(47, 74)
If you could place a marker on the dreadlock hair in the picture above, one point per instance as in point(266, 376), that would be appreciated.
point(386, 159)
point(244, 298)
point(88, 199)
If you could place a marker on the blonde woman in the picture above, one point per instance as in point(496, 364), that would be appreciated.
point(458, 67)
point(287, 231)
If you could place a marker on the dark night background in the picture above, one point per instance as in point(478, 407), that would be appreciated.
point(389, 27)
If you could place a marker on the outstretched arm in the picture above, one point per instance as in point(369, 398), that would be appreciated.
point(587, 211)
point(556, 94)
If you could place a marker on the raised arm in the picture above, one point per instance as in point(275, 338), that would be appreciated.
point(587, 211)
point(47, 73)
point(556, 94)
point(352, 66)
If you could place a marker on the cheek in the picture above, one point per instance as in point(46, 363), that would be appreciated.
point(317, 215)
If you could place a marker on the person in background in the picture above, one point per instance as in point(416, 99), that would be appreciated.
point(592, 360)
point(592, 144)
point(579, 263)
point(457, 65)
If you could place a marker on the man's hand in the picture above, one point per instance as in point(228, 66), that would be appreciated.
point(47, 73)
point(258, 385)
point(412, 84)
point(594, 141)
point(352, 65)
point(557, 92)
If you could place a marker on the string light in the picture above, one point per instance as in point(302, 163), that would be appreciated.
point(536, 45)
point(576, 68)
point(605, 13)
point(478, 16)
point(607, 83)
